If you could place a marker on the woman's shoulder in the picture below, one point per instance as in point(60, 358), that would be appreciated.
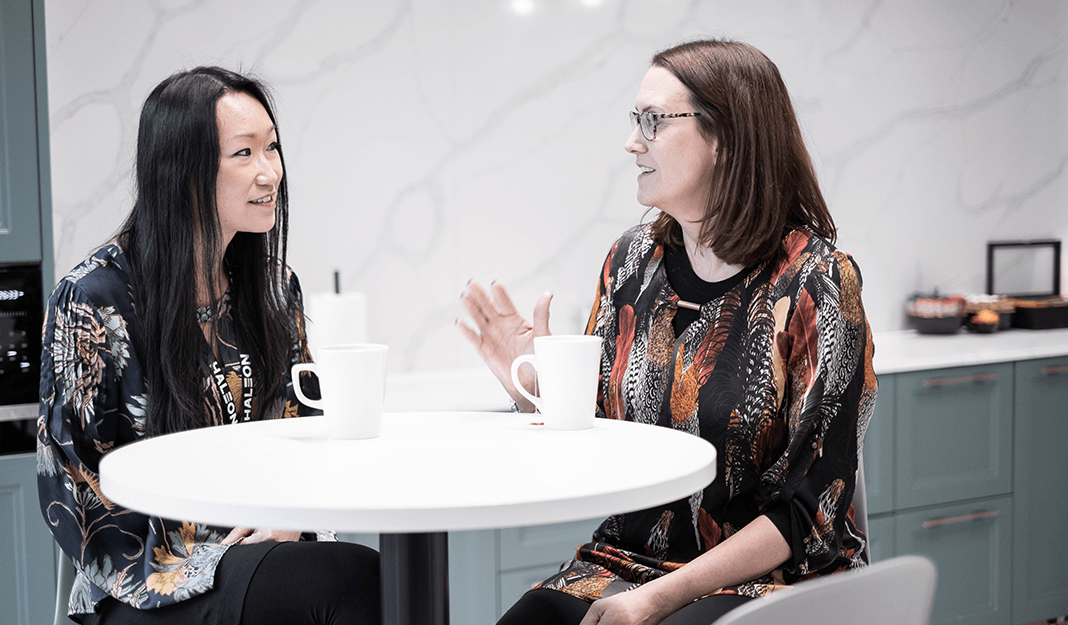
point(103, 276)
point(633, 244)
point(805, 249)
point(640, 235)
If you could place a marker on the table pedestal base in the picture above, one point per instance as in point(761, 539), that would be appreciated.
point(415, 579)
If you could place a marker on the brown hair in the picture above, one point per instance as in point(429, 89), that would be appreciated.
point(764, 181)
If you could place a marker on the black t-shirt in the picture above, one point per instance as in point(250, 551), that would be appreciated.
point(691, 288)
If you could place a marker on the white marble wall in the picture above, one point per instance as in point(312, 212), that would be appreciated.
point(433, 141)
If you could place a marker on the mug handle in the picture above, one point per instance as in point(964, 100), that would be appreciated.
point(295, 374)
point(532, 359)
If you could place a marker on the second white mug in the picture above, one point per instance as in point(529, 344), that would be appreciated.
point(567, 368)
point(352, 384)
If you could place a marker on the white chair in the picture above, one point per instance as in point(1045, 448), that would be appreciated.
point(64, 582)
point(860, 508)
point(898, 591)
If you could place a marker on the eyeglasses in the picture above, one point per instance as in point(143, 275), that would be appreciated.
point(650, 121)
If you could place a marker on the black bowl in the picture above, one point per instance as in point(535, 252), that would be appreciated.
point(936, 325)
point(982, 328)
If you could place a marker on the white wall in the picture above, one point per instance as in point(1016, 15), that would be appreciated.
point(433, 141)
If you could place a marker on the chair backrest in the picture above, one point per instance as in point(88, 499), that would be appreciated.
point(64, 582)
point(898, 591)
point(860, 508)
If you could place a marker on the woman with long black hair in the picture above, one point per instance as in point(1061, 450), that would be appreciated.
point(188, 318)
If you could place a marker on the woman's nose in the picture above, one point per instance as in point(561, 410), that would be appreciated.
point(636, 141)
point(270, 172)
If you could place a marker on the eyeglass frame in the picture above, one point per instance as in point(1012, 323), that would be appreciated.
point(635, 120)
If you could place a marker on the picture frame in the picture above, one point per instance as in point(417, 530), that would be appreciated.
point(1024, 269)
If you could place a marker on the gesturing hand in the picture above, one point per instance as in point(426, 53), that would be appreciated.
point(503, 334)
point(249, 536)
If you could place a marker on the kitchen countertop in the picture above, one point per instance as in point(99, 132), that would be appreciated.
point(895, 352)
point(908, 350)
point(899, 351)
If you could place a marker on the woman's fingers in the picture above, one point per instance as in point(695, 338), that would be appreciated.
point(478, 303)
point(236, 534)
point(474, 310)
point(593, 615)
point(472, 337)
point(501, 300)
point(262, 536)
point(541, 315)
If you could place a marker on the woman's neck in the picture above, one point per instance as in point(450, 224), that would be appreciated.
point(705, 263)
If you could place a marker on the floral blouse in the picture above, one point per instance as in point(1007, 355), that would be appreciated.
point(93, 400)
point(776, 374)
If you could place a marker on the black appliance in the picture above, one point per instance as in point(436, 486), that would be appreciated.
point(21, 318)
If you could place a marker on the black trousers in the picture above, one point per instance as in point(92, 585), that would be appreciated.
point(293, 583)
point(551, 607)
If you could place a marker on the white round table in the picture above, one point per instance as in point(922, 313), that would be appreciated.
point(427, 474)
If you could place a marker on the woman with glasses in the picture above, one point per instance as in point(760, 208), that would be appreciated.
point(188, 318)
point(731, 316)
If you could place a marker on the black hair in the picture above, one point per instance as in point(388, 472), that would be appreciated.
point(173, 234)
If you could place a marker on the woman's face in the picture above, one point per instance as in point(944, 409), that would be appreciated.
point(250, 166)
point(675, 166)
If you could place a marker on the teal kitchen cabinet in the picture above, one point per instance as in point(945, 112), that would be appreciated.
point(27, 552)
point(25, 193)
point(966, 466)
point(881, 537)
point(971, 545)
point(953, 434)
point(1040, 491)
point(952, 483)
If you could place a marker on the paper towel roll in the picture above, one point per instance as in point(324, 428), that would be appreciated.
point(334, 318)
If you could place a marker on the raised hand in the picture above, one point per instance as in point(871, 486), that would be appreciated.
point(503, 333)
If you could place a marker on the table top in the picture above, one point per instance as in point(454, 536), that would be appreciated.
point(427, 472)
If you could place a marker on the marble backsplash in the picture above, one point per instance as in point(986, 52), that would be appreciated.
point(429, 142)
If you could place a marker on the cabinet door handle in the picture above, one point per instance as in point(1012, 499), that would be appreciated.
point(985, 514)
point(1055, 370)
point(978, 377)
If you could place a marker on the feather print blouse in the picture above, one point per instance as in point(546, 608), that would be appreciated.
point(776, 374)
point(93, 400)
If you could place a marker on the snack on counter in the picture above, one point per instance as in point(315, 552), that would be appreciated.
point(935, 306)
point(984, 321)
point(999, 304)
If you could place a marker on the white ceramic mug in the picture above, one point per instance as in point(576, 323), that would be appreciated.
point(567, 368)
point(352, 382)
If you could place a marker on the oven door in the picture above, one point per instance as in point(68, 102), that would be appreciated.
point(21, 318)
